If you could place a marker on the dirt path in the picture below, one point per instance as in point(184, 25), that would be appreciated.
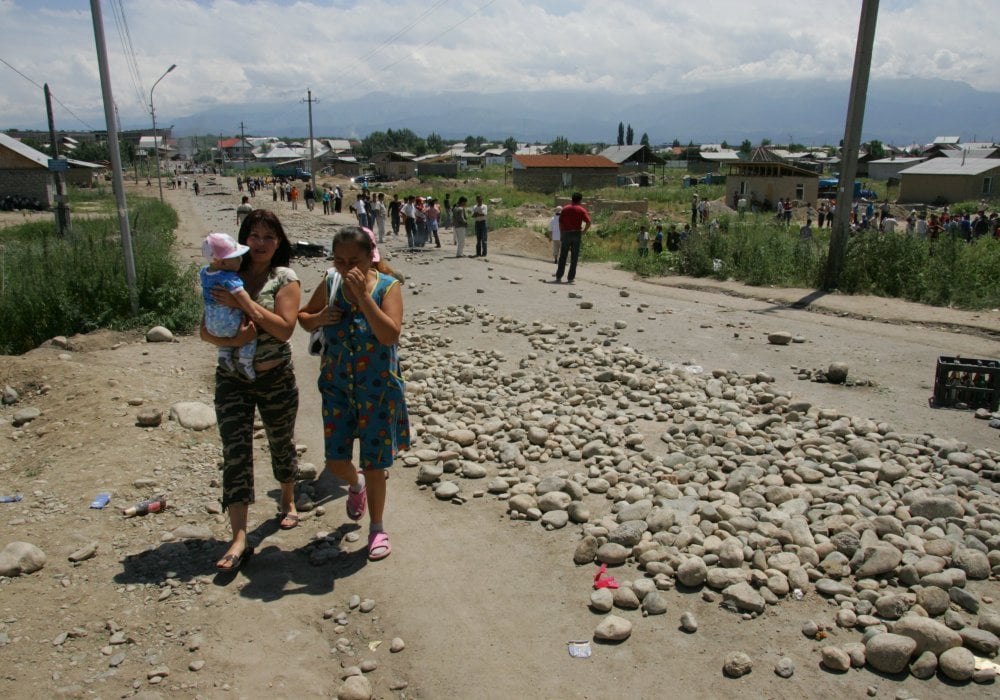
point(484, 604)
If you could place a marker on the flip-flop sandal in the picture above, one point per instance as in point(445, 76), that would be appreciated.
point(378, 546)
point(357, 503)
point(293, 517)
point(235, 561)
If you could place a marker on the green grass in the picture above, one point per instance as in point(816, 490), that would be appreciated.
point(51, 285)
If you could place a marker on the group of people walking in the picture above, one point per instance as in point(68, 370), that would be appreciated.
point(252, 306)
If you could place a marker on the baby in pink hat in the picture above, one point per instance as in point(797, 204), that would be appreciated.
point(225, 255)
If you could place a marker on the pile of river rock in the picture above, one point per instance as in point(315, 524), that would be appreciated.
point(716, 481)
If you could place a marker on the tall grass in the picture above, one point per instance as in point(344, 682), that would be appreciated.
point(51, 285)
point(758, 251)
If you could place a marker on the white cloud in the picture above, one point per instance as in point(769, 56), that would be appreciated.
point(231, 52)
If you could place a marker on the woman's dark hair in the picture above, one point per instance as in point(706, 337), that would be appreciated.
point(265, 218)
point(359, 237)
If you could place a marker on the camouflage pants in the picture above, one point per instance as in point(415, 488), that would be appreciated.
point(276, 395)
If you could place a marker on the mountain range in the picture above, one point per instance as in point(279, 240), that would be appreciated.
point(898, 111)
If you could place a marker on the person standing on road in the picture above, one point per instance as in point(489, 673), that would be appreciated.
point(555, 234)
point(310, 197)
point(574, 221)
point(379, 211)
point(459, 218)
point(409, 212)
point(338, 199)
point(243, 210)
point(433, 214)
point(479, 221)
point(360, 380)
point(446, 211)
point(276, 294)
point(394, 206)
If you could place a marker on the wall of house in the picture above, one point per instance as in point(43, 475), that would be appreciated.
point(33, 183)
point(884, 171)
point(773, 188)
point(929, 188)
point(439, 169)
point(595, 205)
point(551, 179)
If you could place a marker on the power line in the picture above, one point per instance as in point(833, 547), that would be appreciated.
point(128, 50)
point(50, 93)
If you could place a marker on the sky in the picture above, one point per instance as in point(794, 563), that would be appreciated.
point(273, 51)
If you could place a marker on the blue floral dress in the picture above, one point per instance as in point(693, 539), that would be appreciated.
point(362, 388)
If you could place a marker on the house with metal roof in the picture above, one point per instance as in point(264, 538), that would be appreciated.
point(551, 173)
point(947, 180)
point(24, 172)
point(890, 168)
point(711, 158)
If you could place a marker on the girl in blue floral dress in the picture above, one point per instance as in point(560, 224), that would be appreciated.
point(359, 378)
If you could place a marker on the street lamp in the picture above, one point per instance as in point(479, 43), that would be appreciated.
point(156, 145)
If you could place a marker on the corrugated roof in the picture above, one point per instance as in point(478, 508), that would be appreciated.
point(24, 150)
point(565, 161)
point(899, 159)
point(953, 166)
point(971, 153)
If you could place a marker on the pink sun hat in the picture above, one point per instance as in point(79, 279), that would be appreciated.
point(221, 246)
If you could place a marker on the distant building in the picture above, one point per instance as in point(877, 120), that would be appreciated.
point(24, 172)
point(399, 165)
point(889, 168)
point(551, 173)
point(948, 180)
point(766, 178)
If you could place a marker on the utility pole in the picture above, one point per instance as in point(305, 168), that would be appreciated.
point(116, 158)
point(243, 150)
point(62, 207)
point(312, 153)
point(852, 141)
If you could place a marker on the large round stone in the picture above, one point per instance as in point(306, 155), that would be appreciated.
point(889, 653)
point(613, 629)
point(929, 635)
point(957, 664)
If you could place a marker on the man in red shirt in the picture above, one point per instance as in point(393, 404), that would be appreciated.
point(574, 221)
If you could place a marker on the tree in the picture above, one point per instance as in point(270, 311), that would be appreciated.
point(725, 145)
point(746, 146)
point(765, 142)
point(580, 149)
point(676, 143)
point(435, 144)
point(510, 144)
point(645, 139)
point(876, 149)
point(560, 145)
point(629, 135)
point(474, 143)
point(621, 133)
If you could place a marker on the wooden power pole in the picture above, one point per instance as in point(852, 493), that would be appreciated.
point(62, 206)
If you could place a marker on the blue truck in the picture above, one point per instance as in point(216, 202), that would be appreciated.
point(291, 172)
point(828, 189)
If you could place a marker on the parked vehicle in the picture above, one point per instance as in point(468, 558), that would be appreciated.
point(291, 172)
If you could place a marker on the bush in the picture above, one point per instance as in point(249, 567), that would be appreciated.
point(62, 286)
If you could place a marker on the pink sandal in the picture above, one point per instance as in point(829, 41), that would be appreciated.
point(378, 546)
point(357, 503)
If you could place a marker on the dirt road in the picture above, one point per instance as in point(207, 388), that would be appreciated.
point(485, 605)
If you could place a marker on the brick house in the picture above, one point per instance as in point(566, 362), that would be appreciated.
point(551, 173)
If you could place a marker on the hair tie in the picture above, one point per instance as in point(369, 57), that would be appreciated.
point(375, 254)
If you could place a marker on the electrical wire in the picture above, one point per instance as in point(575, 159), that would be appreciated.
point(128, 50)
point(40, 87)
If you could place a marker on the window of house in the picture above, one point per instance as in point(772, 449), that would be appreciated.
point(800, 191)
point(744, 187)
point(987, 185)
point(567, 179)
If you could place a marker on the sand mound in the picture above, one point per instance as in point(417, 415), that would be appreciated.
point(520, 241)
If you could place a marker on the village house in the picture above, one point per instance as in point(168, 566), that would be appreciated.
point(889, 168)
point(551, 173)
point(711, 158)
point(636, 164)
point(766, 178)
point(948, 180)
point(398, 165)
point(24, 172)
